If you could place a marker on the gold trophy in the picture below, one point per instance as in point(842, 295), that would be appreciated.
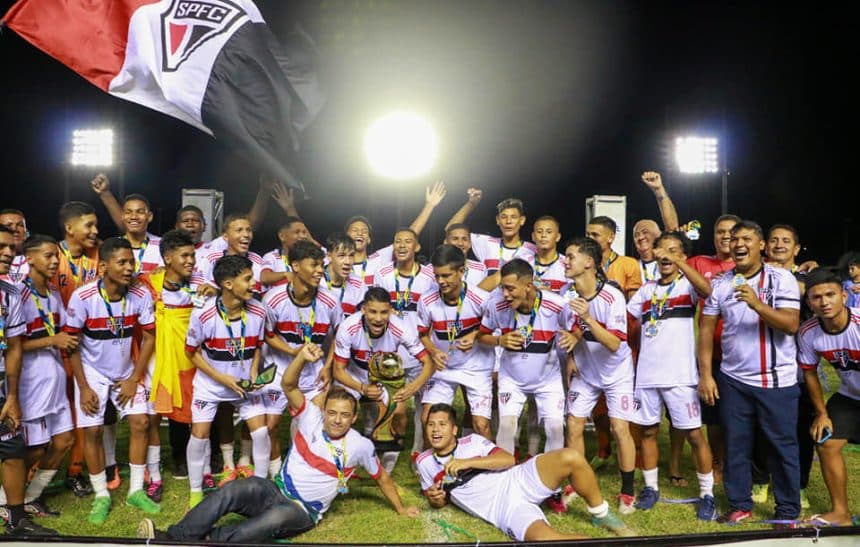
point(386, 369)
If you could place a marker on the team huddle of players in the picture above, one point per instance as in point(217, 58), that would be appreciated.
point(140, 327)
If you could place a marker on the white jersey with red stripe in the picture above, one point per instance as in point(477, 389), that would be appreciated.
point(224, 352)
point(476, 272)
point(13, 320)
point(406, 290)
point(42, 386)
point(148, 255)
point(349, 294)
point(217, 245)
point(537, 363)
point(309, 473)
point(753, 352)
point(275, 261)
point(353, 342)
point(367, 268)
point(438, 320)
point(667, 359)
point(181, 298)
point(105, 343)
point(18, 271)
point(841, 350)
point(650, 270)
point(597, 365)
point(494, 254)
point(285, 318)
point(211, 258)
point(550, 276)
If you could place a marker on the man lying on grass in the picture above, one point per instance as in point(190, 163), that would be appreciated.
point(481, 478)
point(323, 457)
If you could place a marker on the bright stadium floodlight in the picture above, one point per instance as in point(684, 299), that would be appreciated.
point(401, 146)
point(697, 155)
point(92, 147)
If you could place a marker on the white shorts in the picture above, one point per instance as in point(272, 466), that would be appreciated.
point(582, 397)
point(682, 402)
point(549, 399)
point(479, 392)
point(203, 411)
point(276, 402)
point(104, 389)
point(39, 431)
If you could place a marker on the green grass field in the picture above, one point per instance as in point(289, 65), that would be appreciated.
point(363, 515)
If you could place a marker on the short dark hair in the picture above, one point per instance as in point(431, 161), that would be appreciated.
point(377, 294)
point(606, 222)
point(457, 226)
point(191, 209)
point(136, 197)
point(448, 255)
point(229, 267)
point(339, 394)
point(289, 221)
point(723, 218)
point(748, 225)
point(339, 240)
point(680, 237)
point(305, 249)
point(590, 247)
point(787, 227)
point(233, 217)
point(37, 240)
point(518, 267)
point(357, 218)
point(406, 229)
point(510, 203)
point(10, 211)
point(446, 408)
point(821, 276)
point(111, 245)
point(174, 239)
point(72, 210)
point(548, 218)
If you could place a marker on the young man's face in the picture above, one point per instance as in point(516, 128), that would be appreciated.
point(781, 246)
point(405, 246)
point(192, 223)
point(449, 279)
point(545, 235)
point(297, 231)
point(181, 261)
point(18, 225)
point(44, 259)
point(338, 417)
point(673, 248)
point(376, 315)
point(241, 286)
point(645, 232)
point(576, 262)
point(510, 221)
point(309, 271)
point(136, 217)
point(441, 430)
point(723, 236)
point(601, 234)
point(341, 259)
point(360, 233)
point(119, 267)
point(854, 272)
point(746, 247)
point(83, 230)
point(7, 252)
point(239, 236)
point(516, 291)
point(826, 300)
point(460, 238)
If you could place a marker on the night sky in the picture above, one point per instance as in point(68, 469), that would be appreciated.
point(548, 101)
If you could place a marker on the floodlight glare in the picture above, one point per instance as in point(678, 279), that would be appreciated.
point(697, 155)
point(401, 145)
point(92, 147)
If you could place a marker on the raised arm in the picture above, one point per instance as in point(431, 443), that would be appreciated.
point(290, 381)
point(432, 197)
point(101, 186)
point(669, 215)
point(474, 198)
point(261, 202)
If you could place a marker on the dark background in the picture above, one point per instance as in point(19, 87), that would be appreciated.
point(549, 101)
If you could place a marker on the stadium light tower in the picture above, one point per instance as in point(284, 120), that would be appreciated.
point(92, 148)
point(401, 146)
point(696, 155)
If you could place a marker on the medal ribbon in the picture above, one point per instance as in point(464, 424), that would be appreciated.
point(47, 318)
point(644, 266)
point(286, 259)
point(657, 308)
point(613, 256)
point(402, 301)
point(82, 267)
point(139, 263)
point(222, 311)
point(330, 285)
point(367, 336)
point(541, 269)
point(531, 326)
point(502, 252)
point(111, 318)
point(306, 326)
point(454, 330)
point(338, 462)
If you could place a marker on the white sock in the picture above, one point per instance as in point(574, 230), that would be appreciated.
point(135, 480)
point(194, 455)
point(554, 428)
point(2, 495)
point(207, 459)
point(99, 482)
point(506, 437)
point(41, 479)
point(153, 462)
point(650, 476)
point(245, 450)
point(275, 467)
point(227, 456)
point(389, 460)
point(262, 448)
point(600, 511)
point(418, 439)
point(109, 443)
point(706, 483)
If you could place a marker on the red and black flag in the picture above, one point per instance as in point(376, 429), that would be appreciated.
point(213, 64)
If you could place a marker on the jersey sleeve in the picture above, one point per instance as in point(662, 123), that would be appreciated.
point(807, 357)
point(634, 306)
point(410, 341)
point(146, 315)
point(15, 323)
point(195, 334)
point(567, 318)
point(424, 320)
point(268, 262)
point(633, 275)
point(694, 294)
point(366, 458)
point(308, 419)
point(480, 244)
point(206, 271)
point(486, 446)
point(712, 304)
point(489, 321)
point(342, 345)
point(76, 314)
point(786, 292)
point(616, 322)
point(425, 473)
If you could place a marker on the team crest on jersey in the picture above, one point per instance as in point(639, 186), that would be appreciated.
point(233, 347)
point(504, 398)
point(70, 312)
point(454, 326)
point(274, 396)
point(637, 404)
point(528, 336)
point(188, 24)
point(198, 404)
point(766, 295)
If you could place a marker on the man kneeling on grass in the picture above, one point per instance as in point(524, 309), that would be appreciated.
point(481, 478)
point(324, 454)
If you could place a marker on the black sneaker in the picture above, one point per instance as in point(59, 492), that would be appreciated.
point(79, 485)
point(180, 471)
point(27, 528)
point(38, 508)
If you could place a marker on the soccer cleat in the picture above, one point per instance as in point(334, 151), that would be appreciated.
point(209, 483)
point(734, 516)
point(597, 463)
point(626, 504)
point(707, 509)
point(99, 511)
point(556, 504)
point(27, 528)
point(568, 495)
point(228, 475)
point(154, 490)
point(180, 471)
point(614, 524)
point(759, 493)
point(648, 498)
point(38, 508)
point(113, 480)
point(147, 530)
point(804, 499)
point(245, 471)
point(79, 485)
point(194, 497)
point(4, 514)
point(139, 499)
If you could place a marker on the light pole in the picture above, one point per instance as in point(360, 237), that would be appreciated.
point(90, 148)
point(695, 155)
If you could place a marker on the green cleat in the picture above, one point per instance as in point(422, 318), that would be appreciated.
point(613, 524)
point(194, 498)
point(140, 500)
point(100, 509)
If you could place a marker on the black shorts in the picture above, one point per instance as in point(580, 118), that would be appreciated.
point(12, 445)
point(844, 412)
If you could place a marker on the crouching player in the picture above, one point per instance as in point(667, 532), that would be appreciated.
point(481, 478)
